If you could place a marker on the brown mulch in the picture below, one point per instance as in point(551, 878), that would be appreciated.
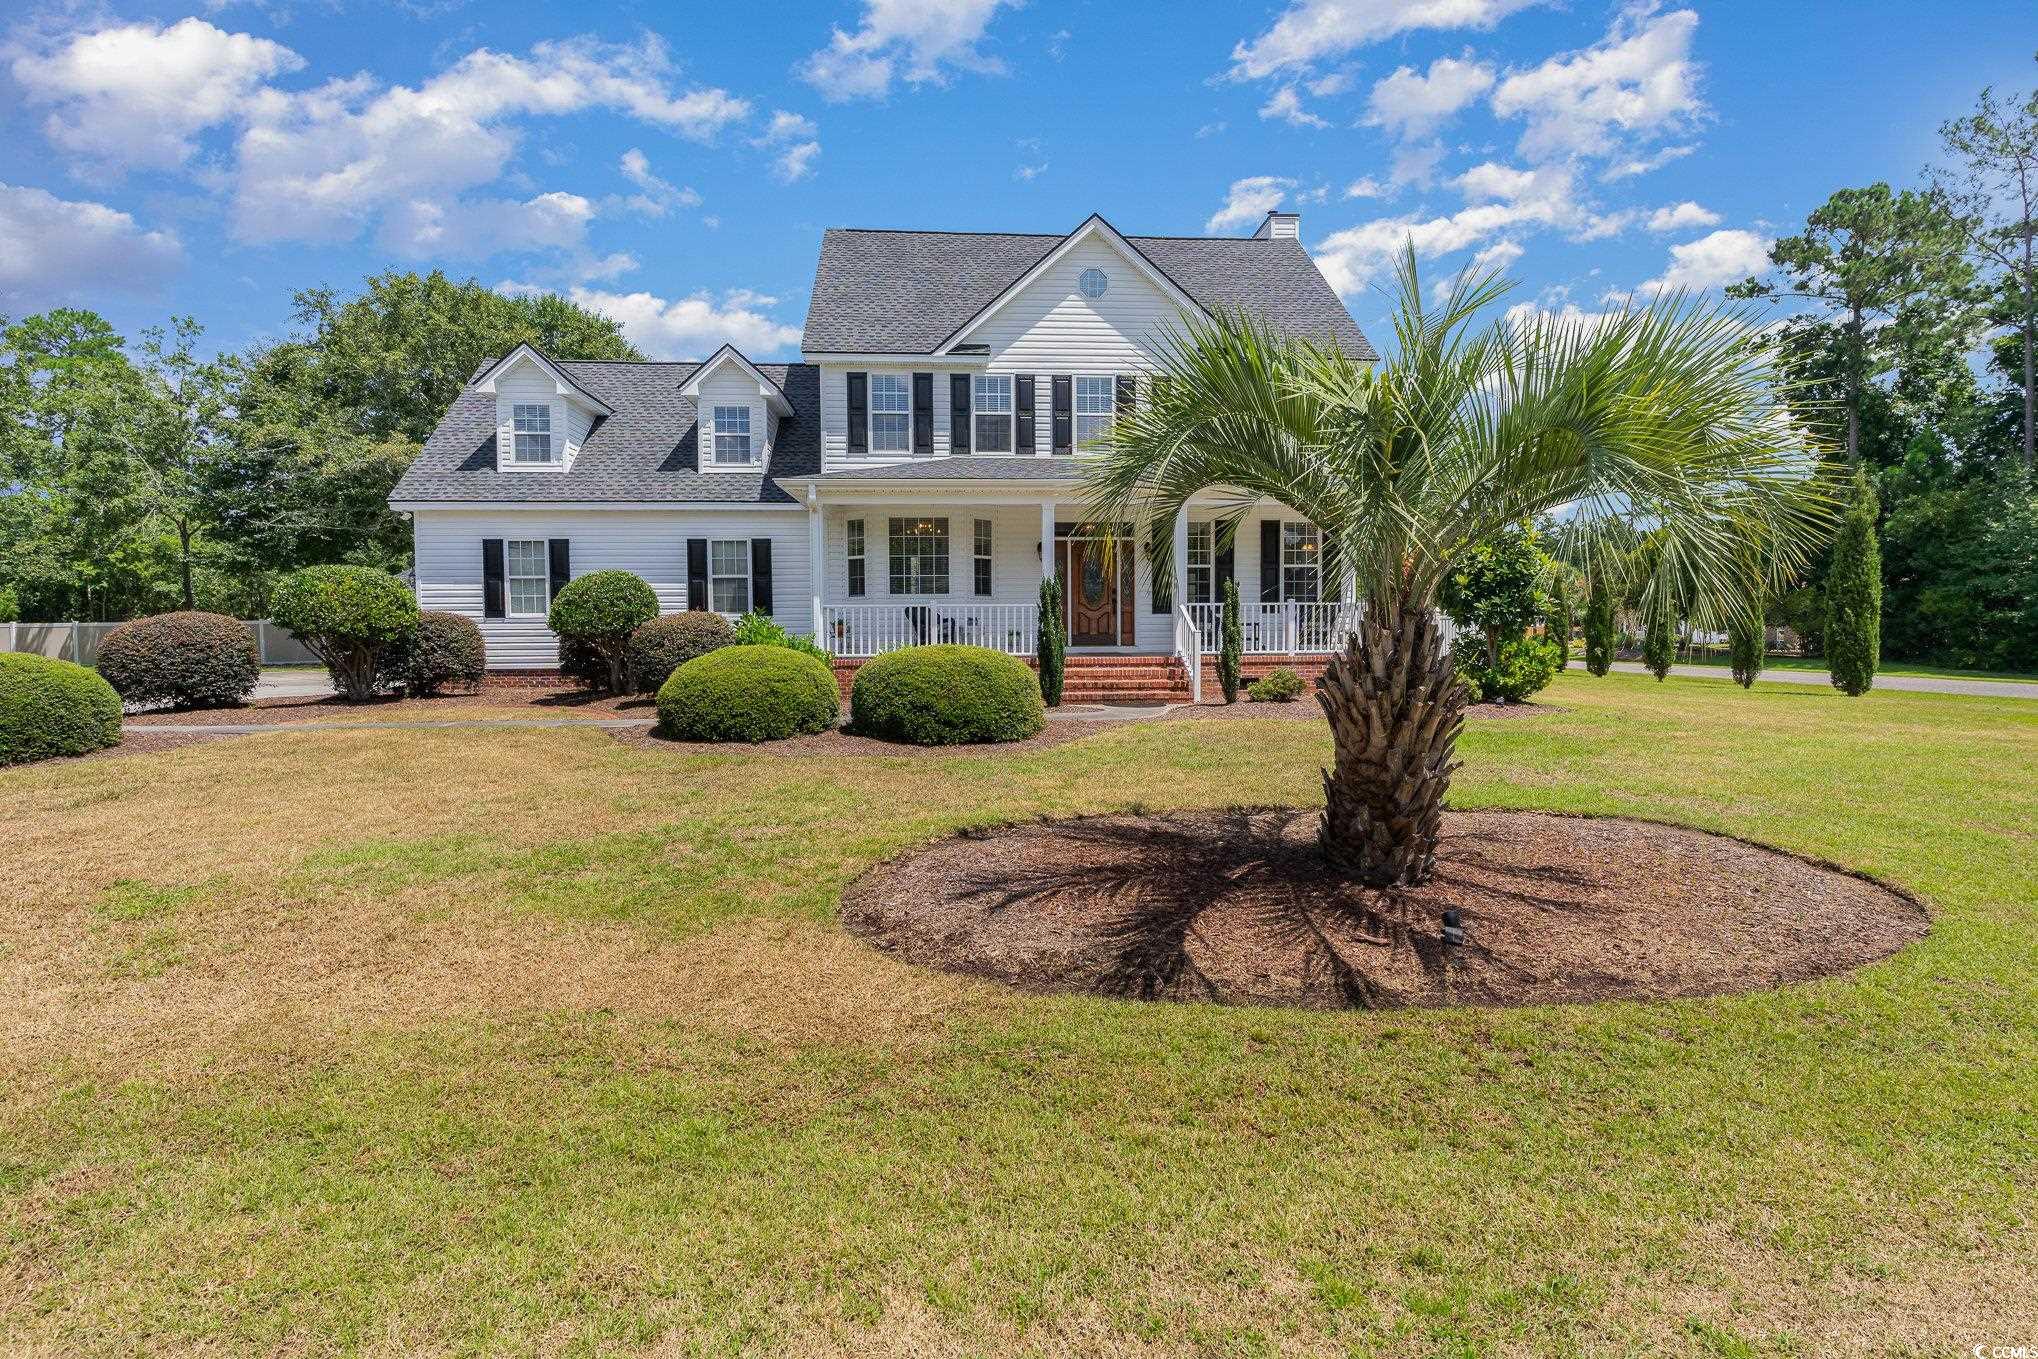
point(838, 742)
point(1308, 707)
point(540, 702)
point(1237, 907)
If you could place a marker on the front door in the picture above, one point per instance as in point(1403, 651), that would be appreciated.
point(1093, 592)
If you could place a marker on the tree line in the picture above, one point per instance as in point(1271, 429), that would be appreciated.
point(145, 476)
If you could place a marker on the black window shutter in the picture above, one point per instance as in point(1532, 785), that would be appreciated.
point(1270, 561)
point(859, 413)
point(491, 579)
point(1227, 568)
point(958, 412)
point(760, 574)
point(1022, 407)
point(697, 573)
point(560, 564)
point(1064, 422)
point(923, 414)
point(1126, 393)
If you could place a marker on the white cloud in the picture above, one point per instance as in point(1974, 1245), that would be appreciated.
point(1367, 187)
point(1312, 30)
point(796, 162)
point(476, 228)
point(1336, 82)
point(1569, 315)
point(1026, 174)
point(1287, 106)
point(1499, 255)
point(1248, 201)
point(1210, 130)
point(657, 196)
point(1642, 165)
point(1682, 215)
point(794, 135)
point(1500, 202)
point(1410, 104)
point(688, 327)
point(1710, 262)
point(51, 249)
point(135, 96)
point(1639, 80)
point(917, 41)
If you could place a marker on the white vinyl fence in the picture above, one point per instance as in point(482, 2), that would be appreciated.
point(80, 641)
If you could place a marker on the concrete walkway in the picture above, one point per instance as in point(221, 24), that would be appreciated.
point(1917, 684)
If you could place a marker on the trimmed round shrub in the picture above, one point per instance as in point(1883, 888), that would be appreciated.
point(663, 645)
point(1276, 686)
point(946, 696)
point(189, 660)
point(444, 650)
point(581, 666)
point(1525, 667)
point(748, 693)
point(52, 708)
point(348, 615)
point(601, 610)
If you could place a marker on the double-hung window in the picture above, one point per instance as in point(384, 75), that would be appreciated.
point(919, 550)
point(532, 427)
point(1095, 405)
point(1203, 563)
point(858, 582)
point(527, 574)
point(1301, 562)
point(991, 398)
point(891, 413)
point(729, 575)
point(732, 435)
point(981, 561)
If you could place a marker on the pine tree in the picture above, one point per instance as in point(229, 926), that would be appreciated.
point(1559, 623)
point(1231, 644)
point(1659, 643)
point(1744, 645)
point(1854, 595)
point(1048, 643)
point(1598, 626)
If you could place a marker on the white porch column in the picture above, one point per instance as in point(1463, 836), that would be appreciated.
point(1180, 594)
point(1046, 539)
point(817, 563)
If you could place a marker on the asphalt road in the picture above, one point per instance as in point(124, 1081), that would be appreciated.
point(1921, 684)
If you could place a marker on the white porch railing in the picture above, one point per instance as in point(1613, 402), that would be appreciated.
point(1292, 629)
point(1189, 646)
point(858, 630)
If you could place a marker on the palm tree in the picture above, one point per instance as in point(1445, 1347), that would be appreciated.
point(1659, 417)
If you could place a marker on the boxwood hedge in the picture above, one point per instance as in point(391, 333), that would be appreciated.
point(946, 695)
point(445, 650)
point(662, 645)
point(748, 693)
point(53, 708)
point(188, 660)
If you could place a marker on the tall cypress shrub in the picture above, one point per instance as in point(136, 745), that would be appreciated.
point(1659, 643)
point(1559, 622)
point(1599, 637)
point(1854, 595)
point(1231, 644)
point(1744, 645)
point(1049, 642)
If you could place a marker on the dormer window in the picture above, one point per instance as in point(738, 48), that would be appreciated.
point(732, 436)
point(533, 433)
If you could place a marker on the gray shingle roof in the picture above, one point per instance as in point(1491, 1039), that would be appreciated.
point(963, 467)
point(904, 292)
point(646, 451)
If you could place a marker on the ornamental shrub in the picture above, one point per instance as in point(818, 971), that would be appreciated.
point(1558, 620)
point(761, 629)
point(1496, 587)
point(662, 645)
point(187, 660)
point(1659, 641)
point(601, 610)
point(1049, 642)
point(444, 650)
point(10, 605)
point(1230, 643)
point(50, 708)
point(1599, 631)
point(748, 693)
point(348, 616)
point(1524, 668)
point(1744, 645)
point(1276, 686)
point(945, 696)
point(1854, 596)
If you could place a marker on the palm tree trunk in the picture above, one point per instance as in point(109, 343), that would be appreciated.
point(1395, 708)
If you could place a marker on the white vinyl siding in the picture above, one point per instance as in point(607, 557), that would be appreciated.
point(563, 424)
point(650, 543)
point(1050, 327)
point(527, 577)
point(729, 389)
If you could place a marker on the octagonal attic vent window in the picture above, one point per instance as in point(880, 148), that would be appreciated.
point(1093, 282)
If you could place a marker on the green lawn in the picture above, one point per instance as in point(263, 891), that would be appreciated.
point(526, 1042)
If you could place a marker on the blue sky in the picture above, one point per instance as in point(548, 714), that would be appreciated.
point(676, 164)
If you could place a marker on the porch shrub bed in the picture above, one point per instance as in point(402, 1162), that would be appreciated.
point(946, 696)
point(1238, 907)
point(748, 693)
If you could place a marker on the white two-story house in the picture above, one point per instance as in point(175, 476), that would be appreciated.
point(910, 480)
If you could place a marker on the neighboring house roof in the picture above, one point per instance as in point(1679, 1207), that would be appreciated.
point(905, 292)
point(962, 467)
point(645, 450)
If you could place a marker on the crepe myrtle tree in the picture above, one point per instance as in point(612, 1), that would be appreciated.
point(1661, 414)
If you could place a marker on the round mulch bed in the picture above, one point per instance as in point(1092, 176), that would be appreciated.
point(1237, 907)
